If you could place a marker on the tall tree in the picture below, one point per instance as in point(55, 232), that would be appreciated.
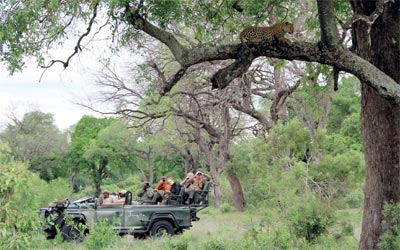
point(29, 28)
point(86, 154)
point(376, 38)
point(36, 139)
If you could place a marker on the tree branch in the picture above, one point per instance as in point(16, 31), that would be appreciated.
point(327, 22)
point(139, 22)
point(78, 44)
point(335, 56)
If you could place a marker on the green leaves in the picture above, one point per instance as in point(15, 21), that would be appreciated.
point(18, 210)
point(310, 219)
point(289, 140)
point(36, 139)
point(32, 28)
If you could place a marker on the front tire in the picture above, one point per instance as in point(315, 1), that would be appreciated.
point(74, 232)
point(161, 228)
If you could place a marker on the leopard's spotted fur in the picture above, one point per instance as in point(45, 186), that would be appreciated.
point(257, 34)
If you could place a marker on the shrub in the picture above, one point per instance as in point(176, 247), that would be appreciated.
point(310, 219)
point(390, 239)
point(18, 210)
point(215, 245)
point(176, 244)
point(101, 236)
point(261, 238)
point(226, 208)
point(355, 199)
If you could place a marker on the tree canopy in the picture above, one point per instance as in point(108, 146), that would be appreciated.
point(36, 139)
point(193, 46)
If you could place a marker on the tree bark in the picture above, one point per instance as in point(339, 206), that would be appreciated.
point(207, 149)
point(217, 188)
point(238, 197)
point(96, 179)
point(376, 39)
point(149, 162)
point(313, 52)
point(380, 117)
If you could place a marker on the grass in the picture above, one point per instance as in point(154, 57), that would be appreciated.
point(218, 230)
point(212, 225)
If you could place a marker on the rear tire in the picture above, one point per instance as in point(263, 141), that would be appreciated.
point(74, 232)
point(161, 228)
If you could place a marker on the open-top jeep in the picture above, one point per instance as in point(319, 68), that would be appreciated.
point(73, 219)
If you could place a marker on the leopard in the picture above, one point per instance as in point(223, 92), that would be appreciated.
point(258, 34)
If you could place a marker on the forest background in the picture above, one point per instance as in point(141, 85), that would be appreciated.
point(282, 142)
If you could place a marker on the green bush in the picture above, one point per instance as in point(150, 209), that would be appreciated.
point(260, 238)
point(215, 245)
point(173, 243)
point(226, 208)
point(310, 219)
point(46, 192)
point(101, 235)
point(355, 199)
point(390, 239)
point(18, 208)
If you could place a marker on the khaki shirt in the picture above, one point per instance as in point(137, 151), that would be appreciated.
point(146, 195)
point(197, 182)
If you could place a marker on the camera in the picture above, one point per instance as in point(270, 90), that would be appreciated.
point(163, 179)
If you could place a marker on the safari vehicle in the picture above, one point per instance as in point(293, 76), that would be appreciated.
point(74, 218)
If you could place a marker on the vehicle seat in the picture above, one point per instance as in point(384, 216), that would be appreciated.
point(176, 199)
point(201, 196)
point(128, 198)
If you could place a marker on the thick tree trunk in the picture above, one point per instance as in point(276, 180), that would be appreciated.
point(96, 179)
point(238, 197)
point(150, 168)
point(216, 189)
point(379, 117)
point(207, 149)
point(72, 182)
point(187, 164)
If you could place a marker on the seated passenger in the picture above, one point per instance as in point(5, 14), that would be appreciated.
point(175, 187)
point(162, 188)
point(175, 190)
point(146, 193)
point(105, 198)
point(186, 182)
point(120, 197)
point(114, 195)
point(196, 183)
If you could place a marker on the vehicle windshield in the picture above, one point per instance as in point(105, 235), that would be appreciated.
point(89, 199)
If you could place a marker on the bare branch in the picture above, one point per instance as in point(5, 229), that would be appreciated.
point(78, 45)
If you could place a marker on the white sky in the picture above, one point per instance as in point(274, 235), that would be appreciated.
point(58, 89)
point(55, 93)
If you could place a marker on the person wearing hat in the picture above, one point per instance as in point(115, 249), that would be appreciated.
point(120, 197)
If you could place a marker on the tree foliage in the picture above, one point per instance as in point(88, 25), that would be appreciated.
point(18, 210)
point(36, 139)
point(196, 37)
point(85, 155)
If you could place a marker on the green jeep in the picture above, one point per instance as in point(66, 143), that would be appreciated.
point(73, 219)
